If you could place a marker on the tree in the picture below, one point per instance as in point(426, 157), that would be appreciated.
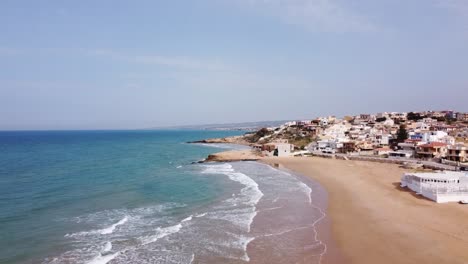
point(402, 134)
point(381, 119)
point(414, 116)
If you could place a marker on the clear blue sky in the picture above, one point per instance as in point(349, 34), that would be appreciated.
point(135, 64)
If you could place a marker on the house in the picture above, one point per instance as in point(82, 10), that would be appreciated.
point(325, 145)
point(382, 140)
point(399, 116)
point(323, 121)
point(277, 149)
point(462, 117)
point(434, 136)
point(458, 152)
point(348, 147)
point(365, 117)
point(431, 150)
point(440, 187)
point(449, 140)
point(422, 126)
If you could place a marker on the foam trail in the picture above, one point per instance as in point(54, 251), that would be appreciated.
point(162, 232)
point(111, 228)
point(103, 259)
point(104, 231)
point(323, 215)
point(192, 259)
point(251, 189)
point(200, 215)
point(308, 191)
point(245, 242)
point(187, 219)
point(270, 209)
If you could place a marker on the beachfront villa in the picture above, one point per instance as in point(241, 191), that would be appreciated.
point(431, 150)
point(458, 152)
point(441, 187)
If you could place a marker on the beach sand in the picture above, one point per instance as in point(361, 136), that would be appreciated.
point(373, 220)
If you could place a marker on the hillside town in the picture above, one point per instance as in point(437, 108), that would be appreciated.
point(430, 138)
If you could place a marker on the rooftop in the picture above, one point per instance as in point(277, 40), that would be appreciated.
point(446, 175)
point(433, 144)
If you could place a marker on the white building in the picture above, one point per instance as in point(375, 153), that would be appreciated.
point(323, 121)
point(338, 131)
point(434, 136)
point(440, 187)
point(277, 149)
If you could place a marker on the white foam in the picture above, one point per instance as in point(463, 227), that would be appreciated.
point(187, 219)
point(107, 247)
point(251, 192)
point(307, 190)
point(161, 232)
point(200, 215)
point(103, 259)
point(245, 242)
point(323, 215)
point(104, 231)
point(251, 189)
point(110, 229)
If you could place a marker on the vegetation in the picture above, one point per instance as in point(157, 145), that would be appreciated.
point(402, 134)
point(414, 116)
point(301, 143)
point(258, 135)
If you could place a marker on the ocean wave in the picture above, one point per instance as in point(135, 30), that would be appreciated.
point(104, 231)
point(200, 215)
point(187, 219)
point(110, 229)
point(161, 233)
point(250, 195)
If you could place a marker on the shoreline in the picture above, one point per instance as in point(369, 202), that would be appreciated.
point(323, 227)
point(317, 233)
point(373, 220)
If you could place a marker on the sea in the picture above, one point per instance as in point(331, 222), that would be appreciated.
point(97, 197)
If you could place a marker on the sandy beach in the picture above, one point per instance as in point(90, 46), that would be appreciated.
point(373, 220)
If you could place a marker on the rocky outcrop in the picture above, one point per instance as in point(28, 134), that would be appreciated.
point(234, 155)
point(227, 140)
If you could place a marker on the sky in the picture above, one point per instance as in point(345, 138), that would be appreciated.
point(114, 64)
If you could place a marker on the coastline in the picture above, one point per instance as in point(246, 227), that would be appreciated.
point(311, 235)
point(373, 220)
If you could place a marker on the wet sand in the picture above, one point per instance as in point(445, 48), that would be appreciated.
point(291, 229)
point(373, 220)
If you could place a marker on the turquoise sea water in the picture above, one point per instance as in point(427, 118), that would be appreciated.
point(134, 197)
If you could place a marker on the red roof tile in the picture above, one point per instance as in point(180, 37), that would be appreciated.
point(433, 144)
